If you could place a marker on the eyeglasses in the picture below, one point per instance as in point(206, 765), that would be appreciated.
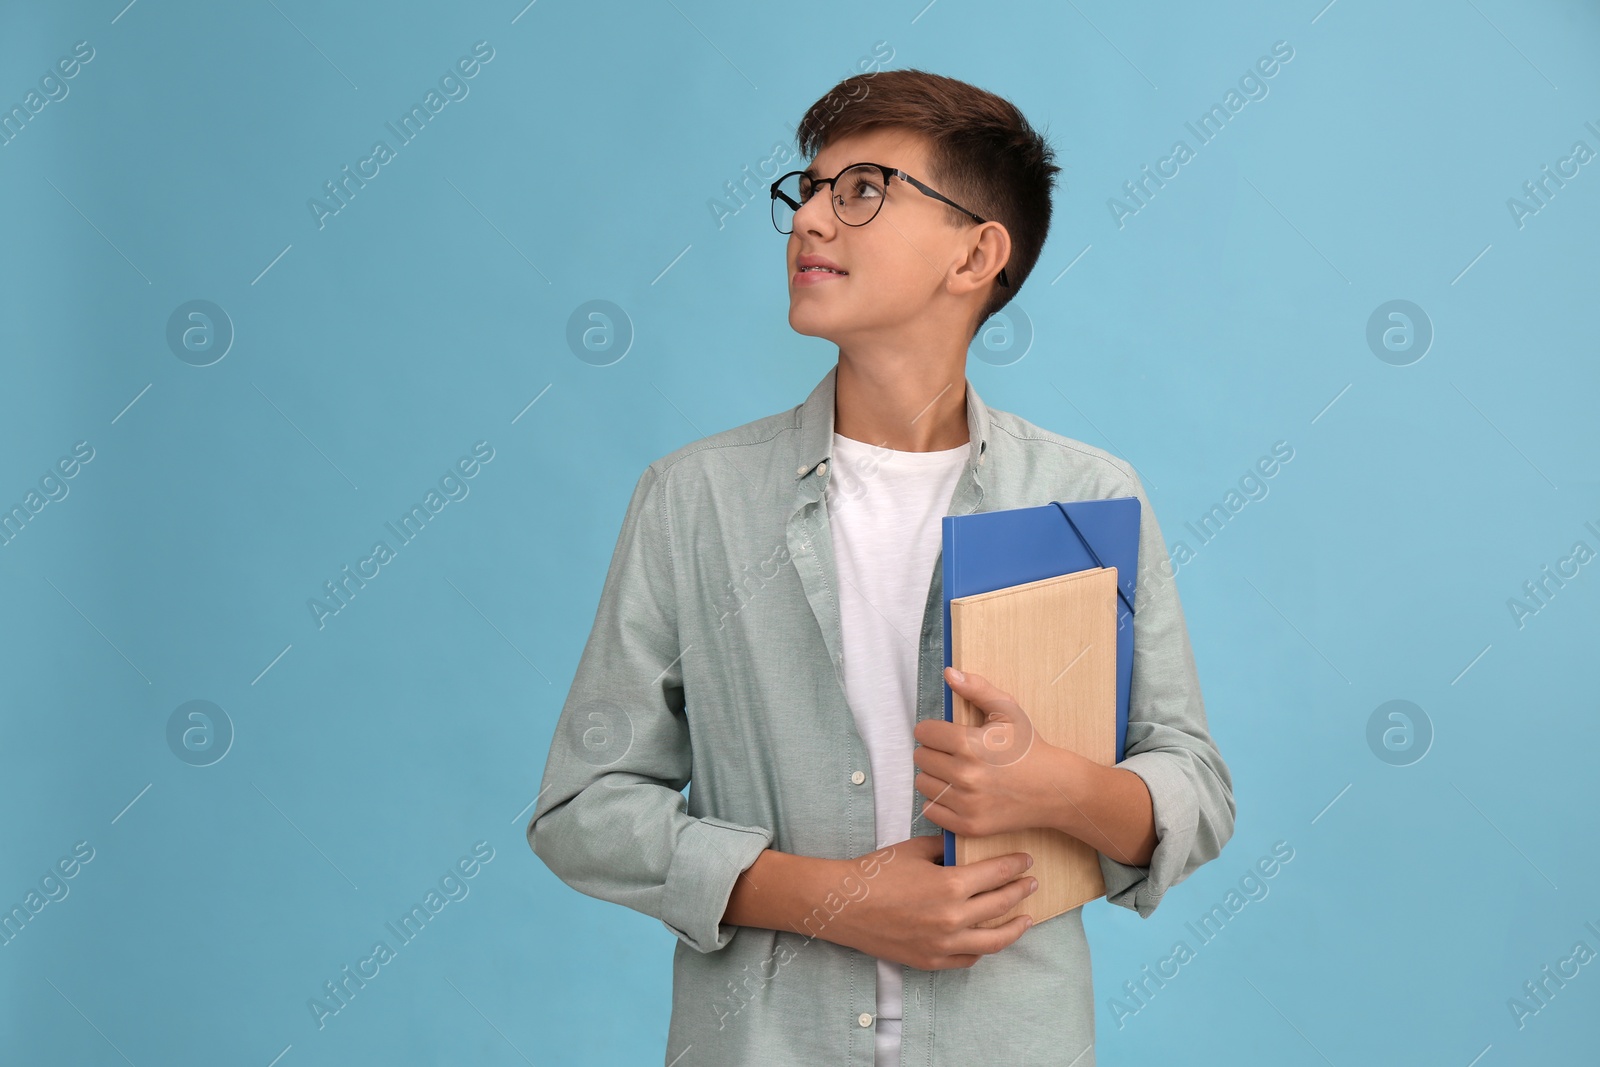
point(858, 194)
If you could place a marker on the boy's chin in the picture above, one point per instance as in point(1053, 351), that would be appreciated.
point(809, 324)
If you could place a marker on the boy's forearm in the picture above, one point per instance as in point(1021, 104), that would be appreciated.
point(1107, 807)
point(779, 890)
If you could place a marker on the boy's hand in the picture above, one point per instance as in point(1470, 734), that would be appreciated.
point(988, 779)
point(902, 904)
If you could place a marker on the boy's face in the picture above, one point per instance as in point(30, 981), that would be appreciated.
point(897, 264)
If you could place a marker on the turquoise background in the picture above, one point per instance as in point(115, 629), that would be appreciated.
point(363, 758)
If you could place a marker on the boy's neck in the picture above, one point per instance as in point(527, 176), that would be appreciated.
point(909, 406)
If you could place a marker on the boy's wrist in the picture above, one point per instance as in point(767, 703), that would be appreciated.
point(1071, 776)
point(779, 890)
point(1109, 808)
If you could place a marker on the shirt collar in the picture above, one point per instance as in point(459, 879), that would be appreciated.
point(814, 420)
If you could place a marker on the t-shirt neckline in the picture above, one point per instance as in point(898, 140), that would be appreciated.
point(851, 447)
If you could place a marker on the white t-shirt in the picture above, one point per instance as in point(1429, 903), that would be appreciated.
point(884, 512)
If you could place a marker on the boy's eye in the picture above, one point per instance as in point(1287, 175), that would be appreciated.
point(864, 187)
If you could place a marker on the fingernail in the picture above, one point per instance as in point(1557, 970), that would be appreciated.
point(1025, 866)
point(1027, 921)
point(959, 676)
point(1033, 885)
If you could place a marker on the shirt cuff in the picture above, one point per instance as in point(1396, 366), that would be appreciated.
point(1177, 816)
point(708, 859)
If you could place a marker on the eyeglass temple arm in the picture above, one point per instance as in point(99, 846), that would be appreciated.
point(945, 199)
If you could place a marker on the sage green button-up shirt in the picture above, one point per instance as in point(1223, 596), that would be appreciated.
point(716, 659)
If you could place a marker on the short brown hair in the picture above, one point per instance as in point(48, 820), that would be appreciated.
point(983, 154)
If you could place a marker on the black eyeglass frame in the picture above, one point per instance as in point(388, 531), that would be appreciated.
point(888, 172)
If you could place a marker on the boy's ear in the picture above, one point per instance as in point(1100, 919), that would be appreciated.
point(993, 246)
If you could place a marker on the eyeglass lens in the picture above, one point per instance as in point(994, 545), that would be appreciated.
point(857, 196)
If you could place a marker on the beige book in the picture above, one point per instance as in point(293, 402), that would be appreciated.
point(1051, 645)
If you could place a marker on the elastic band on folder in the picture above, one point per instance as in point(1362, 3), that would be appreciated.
point(1087, 547)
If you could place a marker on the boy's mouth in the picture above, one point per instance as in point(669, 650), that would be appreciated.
point(810, 276)
point(811, 264)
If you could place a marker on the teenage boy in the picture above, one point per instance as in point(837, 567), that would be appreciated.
point(768, 632)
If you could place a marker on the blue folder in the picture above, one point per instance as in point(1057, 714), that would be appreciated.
point(996, 549)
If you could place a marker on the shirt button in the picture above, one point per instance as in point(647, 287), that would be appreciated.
point(865, 1018)
point(858, 777)
point(822, 468)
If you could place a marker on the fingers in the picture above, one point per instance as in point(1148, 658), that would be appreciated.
point(979, 942)
point(993, 872)
point(980, 691)
point(996, 902)
point(1007, 933)
point(985, 890)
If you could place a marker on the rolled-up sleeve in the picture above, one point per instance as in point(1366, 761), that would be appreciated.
point(611, 818)
point(1168, 744)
